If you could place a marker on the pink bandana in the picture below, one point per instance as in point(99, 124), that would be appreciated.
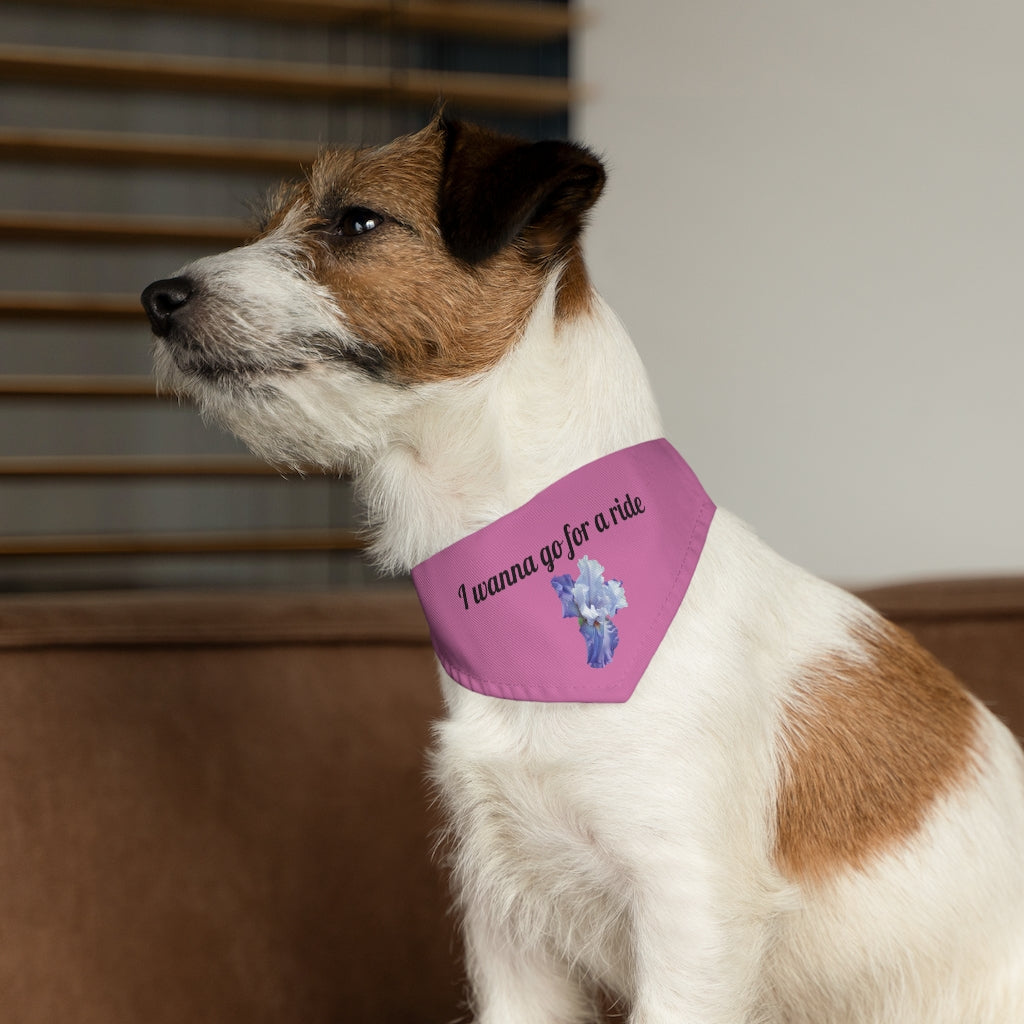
point(568, 597)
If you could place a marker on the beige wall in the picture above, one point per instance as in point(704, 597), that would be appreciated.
point(815, 232)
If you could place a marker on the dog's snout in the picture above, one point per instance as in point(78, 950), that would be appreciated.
point(162, 300)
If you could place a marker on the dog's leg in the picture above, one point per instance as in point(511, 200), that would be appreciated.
point(512, 983)
point(699, 958)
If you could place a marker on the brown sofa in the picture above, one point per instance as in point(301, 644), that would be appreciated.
point(212, 806)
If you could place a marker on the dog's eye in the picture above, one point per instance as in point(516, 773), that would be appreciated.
point(357, 220)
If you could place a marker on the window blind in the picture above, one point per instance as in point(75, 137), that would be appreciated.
point(131, 139)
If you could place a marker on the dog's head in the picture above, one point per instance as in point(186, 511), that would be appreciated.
point(385, 272)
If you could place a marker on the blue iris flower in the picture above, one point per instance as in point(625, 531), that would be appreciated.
point(593, 603)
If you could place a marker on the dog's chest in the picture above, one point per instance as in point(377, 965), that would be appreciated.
point(529, 834)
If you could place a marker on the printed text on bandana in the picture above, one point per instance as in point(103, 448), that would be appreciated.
point(567, 546)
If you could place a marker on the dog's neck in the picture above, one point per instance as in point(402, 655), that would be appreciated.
point(468, 452)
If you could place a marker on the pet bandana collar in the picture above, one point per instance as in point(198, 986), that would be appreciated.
point(568, 597)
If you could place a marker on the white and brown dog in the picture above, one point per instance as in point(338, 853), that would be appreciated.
point(798, 816)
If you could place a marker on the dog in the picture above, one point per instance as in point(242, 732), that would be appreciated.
point(794, 815)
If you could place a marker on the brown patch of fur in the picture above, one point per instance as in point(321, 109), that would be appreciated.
point(426, 314)
point(575, 293)
point(869, 746)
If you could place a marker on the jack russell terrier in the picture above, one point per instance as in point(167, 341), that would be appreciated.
point(678, 771)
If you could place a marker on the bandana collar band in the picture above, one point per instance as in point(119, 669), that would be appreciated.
point(611, 547)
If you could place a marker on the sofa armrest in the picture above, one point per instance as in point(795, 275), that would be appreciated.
point(974, 626)
point(214, 809)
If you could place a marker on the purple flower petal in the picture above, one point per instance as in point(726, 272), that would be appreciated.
point(602, 638)
point(563, 588)
point(592, 602)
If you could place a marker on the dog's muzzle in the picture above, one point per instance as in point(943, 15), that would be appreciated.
point(164, 301)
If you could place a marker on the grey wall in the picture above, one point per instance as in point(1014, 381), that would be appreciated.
point(815, 231)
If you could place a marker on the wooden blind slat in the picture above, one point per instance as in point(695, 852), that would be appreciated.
point(485, 18)
point(69, 306)
point(142, 466)
point(31, 226)
point(502, 21)
point(193, 543)
point(179, 152)
point(68, 66)
point(76, 386)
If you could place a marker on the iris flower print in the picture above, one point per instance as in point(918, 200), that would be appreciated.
point(593, 603)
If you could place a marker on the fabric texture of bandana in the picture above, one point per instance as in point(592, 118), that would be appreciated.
point(568, 597)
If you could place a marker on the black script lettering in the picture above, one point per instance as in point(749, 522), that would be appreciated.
point(494, 585)
point(575, 536)
point(549, 553)
point(633, 506)
point(621, 511)
point(601, 522)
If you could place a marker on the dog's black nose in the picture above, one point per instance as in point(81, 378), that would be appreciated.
point(163, 299)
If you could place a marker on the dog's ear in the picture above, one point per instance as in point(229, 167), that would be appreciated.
point(496, 190)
